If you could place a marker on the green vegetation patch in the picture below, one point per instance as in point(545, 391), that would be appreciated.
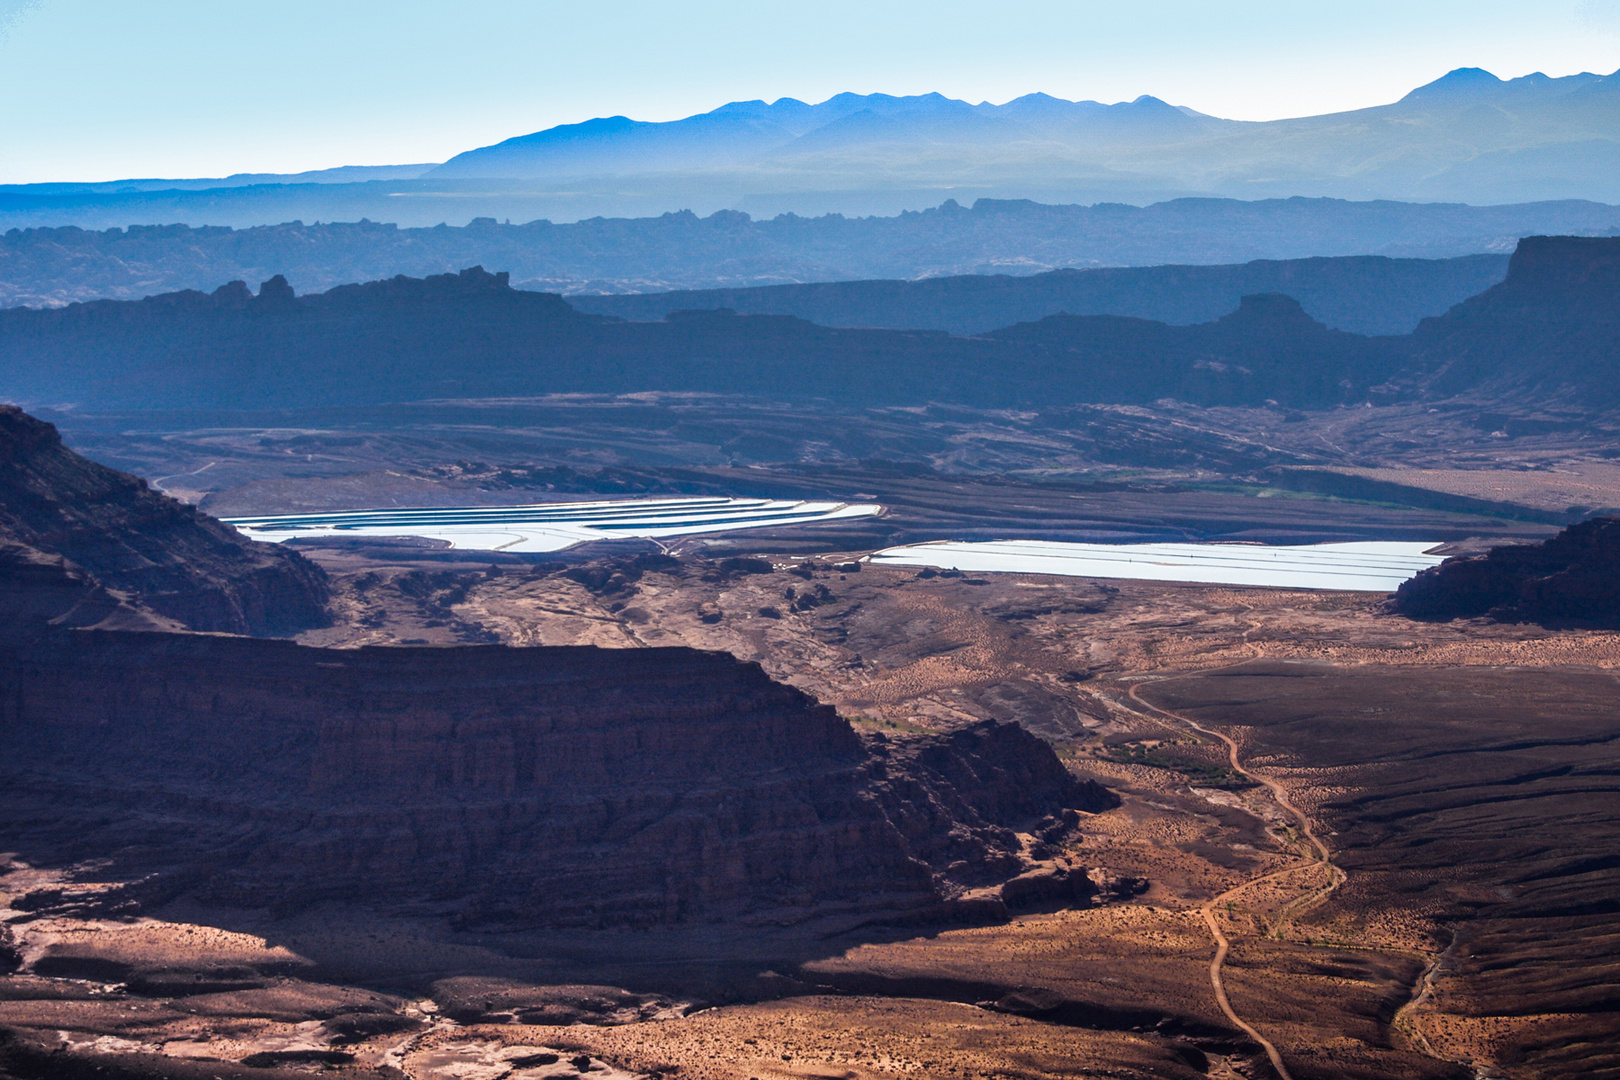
point(1164, 755)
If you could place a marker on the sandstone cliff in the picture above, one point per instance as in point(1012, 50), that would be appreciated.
point(161, 553)
point(1574, 578)
point(557, 786)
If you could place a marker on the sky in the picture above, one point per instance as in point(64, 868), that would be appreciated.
point(106, 89)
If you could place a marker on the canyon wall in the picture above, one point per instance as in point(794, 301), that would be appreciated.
point(557, 786)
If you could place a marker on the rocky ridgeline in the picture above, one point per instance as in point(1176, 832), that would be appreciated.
point(112, 532)
point(546, 786)
point(1545, 335)
point(1573, 579)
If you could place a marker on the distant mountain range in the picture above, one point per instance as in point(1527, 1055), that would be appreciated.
point(1467, 137)
point(792, 135)
point(1548, 333)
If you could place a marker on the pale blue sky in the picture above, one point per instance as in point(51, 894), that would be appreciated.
point(97, 89)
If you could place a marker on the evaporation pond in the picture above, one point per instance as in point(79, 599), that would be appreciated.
point(1361, 566)
point(551, 526)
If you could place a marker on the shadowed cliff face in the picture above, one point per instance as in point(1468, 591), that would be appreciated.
point(163, 554)
point(39, 591)
point(1572, 578)
point(1552, 327)
point(556, 786)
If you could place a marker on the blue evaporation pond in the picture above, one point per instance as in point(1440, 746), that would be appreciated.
point(551, 526)
point(1362, 567)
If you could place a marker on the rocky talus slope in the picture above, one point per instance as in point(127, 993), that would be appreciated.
point(1574, 578)
point(112, 529)
point(545, 786)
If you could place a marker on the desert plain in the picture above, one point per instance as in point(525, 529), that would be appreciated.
point(1397, 833)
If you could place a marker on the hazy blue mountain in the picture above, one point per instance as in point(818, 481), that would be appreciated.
point(49, 267)
point(732, 134)
point(747, 132)
point(1467, 136)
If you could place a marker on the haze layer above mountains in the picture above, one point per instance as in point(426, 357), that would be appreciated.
point(1467, 137)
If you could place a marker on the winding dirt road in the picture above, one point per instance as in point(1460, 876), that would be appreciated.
point(1316, 854)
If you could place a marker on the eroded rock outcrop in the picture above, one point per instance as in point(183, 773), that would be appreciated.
point(153, 550)
point(1574, 578)
point(557, 786)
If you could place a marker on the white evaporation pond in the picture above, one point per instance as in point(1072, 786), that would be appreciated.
point(1360, 567)
point(552, 526)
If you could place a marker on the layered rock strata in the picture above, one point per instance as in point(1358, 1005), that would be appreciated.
point(555, 786)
